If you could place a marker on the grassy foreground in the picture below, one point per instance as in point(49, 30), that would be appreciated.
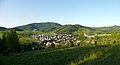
point(89, 55)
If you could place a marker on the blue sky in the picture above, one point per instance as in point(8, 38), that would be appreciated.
point(93, 13)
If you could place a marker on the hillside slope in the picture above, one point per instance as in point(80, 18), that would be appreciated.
point(89, 55)
point(108, 29)
point(44, 27)
point(73, 29)
point(53, 27)
point(58, 28)
point(3, 28)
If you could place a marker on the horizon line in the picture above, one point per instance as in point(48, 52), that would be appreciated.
point(57, 23)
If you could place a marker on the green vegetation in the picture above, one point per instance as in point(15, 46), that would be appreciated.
point(51, 27)
point(54, 28)
point(27, 40)
point(72, 29)
point(9, 42)
point(43, 27)
point(110, 29)
point(22, 49)
point(0, 34)
point(88, 55)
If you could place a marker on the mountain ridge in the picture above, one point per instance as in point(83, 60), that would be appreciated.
point(53, 27)
point(59, 28)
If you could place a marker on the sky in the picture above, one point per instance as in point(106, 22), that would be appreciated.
point(91, 13)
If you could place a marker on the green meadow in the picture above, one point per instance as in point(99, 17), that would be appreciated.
point(87, 55)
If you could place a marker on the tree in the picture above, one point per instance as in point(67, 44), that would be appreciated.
point(12, 41)
point(2, 44)
point(1, 47)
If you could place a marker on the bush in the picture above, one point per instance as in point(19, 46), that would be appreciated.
point(52, 45)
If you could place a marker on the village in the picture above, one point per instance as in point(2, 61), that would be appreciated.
point(60, 39)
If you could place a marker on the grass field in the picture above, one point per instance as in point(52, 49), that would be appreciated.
point(1, 33)
point(89, 55)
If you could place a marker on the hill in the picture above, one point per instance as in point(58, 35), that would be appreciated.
point(89, 55)
point(53, 27)
point(48, 27)
point(44, 27)
point(114, 28)
point(3, 28)
point(73, 29)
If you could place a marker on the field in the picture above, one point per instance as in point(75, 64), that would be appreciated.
point(1, 32)
point(88, 55)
